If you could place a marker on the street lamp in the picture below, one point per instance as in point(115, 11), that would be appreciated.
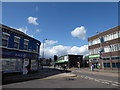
point(43, 53)
point(43, 48)
point(100, 49)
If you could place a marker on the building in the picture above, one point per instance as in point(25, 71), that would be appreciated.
point(104, 49)
point(70, 60)
point(20, 52)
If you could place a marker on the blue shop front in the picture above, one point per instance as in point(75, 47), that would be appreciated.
point(19, 61)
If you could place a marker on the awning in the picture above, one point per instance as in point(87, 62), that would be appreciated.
point(61, 62)
point(94, 56)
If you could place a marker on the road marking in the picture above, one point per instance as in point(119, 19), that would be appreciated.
point(117, 82)
point(96, 80)
point(107, 83)
point(102, 81)
point(115, 85)
point(107, 80)
point(90, 78)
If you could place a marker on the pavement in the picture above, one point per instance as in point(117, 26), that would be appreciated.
point(42, 74)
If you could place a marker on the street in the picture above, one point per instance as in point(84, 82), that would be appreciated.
point(73, 79)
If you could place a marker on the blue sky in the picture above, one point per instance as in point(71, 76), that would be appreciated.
point(56, 20)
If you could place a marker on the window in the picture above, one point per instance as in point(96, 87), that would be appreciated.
point(33, 65)
point(8, 65)
point(5, 38)
point(26, 41)
point(118, 46)
point(115, 35)
point(119, 33)
point(16, 41)
point(113, 65)
point(105, 64)
point(118, 65)
point(107, 49)
point(115, 58)
point(108, 64)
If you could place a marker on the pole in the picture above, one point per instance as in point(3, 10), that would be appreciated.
point(43, 52)
point(43, 49)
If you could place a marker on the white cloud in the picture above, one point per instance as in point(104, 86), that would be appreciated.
point(79, 32)
point(60, 50)
point(38, 30)
point(51, 42)
point(23, 29)
point(79, 50)
point(32, 20)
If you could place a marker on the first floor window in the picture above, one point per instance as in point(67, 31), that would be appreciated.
point(4, 42)
point(5, 38)
point(16, 45)
point(25, 46)
point(16, 41)
point(26, 41)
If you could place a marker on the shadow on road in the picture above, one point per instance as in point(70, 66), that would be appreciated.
point(46, 72)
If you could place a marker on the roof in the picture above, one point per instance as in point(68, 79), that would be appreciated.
point(17, 31)
point(104, 33)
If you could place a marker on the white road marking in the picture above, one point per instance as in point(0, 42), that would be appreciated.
point(117, 82)
point(102, 81)
point(96, 80)
point(115, 85)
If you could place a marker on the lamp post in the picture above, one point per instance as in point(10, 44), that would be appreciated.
point(100, 50)
point(43, 53)
point(43, 48)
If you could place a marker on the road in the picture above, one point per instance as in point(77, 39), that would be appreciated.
point(105, 79)
point(82, 80)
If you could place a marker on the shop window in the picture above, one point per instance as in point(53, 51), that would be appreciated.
point(19, 65)
point(8, 65)
point(34, 65)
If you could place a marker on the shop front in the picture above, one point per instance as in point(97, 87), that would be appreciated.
point(96, 61)
point(18, 61)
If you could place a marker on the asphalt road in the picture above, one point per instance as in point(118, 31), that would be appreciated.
point(97, 76)
point(59, 83)
point(83, 80)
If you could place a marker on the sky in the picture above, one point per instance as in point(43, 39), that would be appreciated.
point(66, 25)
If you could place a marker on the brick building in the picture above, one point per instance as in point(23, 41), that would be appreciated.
point(104, 49)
